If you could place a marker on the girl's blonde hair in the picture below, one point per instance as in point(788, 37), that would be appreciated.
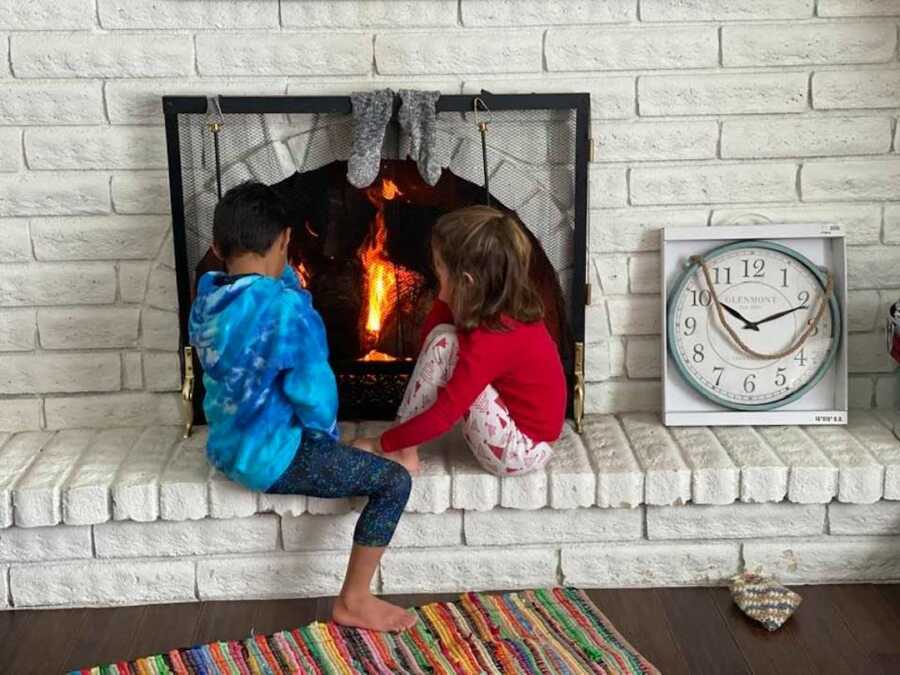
point(487, 256)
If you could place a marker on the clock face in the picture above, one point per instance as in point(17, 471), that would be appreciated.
point(769, 296)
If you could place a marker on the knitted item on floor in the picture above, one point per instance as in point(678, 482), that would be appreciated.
point(372, 111)
point(764, 599)
point(418, 124)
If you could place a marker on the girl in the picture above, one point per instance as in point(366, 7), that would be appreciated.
point(486, 356)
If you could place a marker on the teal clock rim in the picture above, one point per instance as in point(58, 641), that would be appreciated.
point(837, 326)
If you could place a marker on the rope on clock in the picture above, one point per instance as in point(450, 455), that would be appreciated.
point(824, 298)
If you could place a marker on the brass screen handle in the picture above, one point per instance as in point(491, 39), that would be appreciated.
point(187, 391)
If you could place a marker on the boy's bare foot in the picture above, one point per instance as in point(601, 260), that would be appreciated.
point(408, 457)
point(367, 611)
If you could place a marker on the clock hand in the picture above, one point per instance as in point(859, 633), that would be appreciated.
point(748, 324)
point(778, 315)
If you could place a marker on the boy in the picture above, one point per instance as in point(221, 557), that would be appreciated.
point(271, 397)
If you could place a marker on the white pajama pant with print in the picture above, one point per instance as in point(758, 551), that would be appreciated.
point(490, 432)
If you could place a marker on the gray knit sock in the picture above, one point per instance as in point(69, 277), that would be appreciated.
point(371, 112)
point(418, 121)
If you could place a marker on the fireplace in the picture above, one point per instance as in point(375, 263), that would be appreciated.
point(364, 254)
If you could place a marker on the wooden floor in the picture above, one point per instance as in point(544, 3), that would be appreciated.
point(838, 629)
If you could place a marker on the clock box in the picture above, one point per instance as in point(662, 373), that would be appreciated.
point(754, 327)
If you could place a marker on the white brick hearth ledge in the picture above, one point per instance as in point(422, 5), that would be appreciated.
point(118, 516)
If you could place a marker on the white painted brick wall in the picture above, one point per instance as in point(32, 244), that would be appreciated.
point(724, 10)
point(270, 575)
point(805, 561)
point(735, 521)
point(180, 14)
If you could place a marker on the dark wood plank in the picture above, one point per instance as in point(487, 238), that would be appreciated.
point(278, 615)
point(641, 619)
point(701, 632)
point(223, 621)
point(39, 641)
point(165, 627)
point(105, 636)
point(873, 621)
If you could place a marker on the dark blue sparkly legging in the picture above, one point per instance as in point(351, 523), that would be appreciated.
point(324, 467)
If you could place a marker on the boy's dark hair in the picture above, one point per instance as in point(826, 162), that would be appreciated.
point(248, 219)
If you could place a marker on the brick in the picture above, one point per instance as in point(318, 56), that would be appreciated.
point(16, 456)
point(88, 327)
point(891, 224)
point(608, 187)
point(58, 283)
point(87, 492)
point(20, 414)
point(619, 48)
point(667, 476)
point(611, 272)
point(44, 15)
point(96, 582)
point(110, 147)
point(643, 359)
point(649, 564)
point(15, 241)
point(184, 484)
point(45, 543)
point(571, 479)
point(735, 521)
point(59, 373)
point(38, 495)
point(865, 350)
point(764, 477)
point(526, 492)
point(860, 391)
point(133, 277)
point(638, 229)
point(845, 180)
point(181, 14)
point(844, 90)
point(596, 321)
point(132, 370)
point(724, 10)
point(612, 96)
point(335, 532)
point(367, 15)
point(826, 559)
point(139, 101)
point(813, 477)
point(431, 488)
point(11, 142)
point(4, 587)
point(714, 477)
point(51, 102)
point(101, 55)
point(67, 193)
point(756, 182)
point(878, 439)
point(98, 237)
point(509, 51)
point(799, 44)
point(884, 392)
point(544, 12)
point(873, 267)
point(162, 289)
point(643, 273)
point(135, 488)
point(441, 570)
point(17, 330)
point(228, 499)
point(163, 371)
point(722, 94)
point(159, 330)
point(655, 141)
point(614, 397)
point(511, 527)
point(471, 487)
point(124, 409)
point(283, 505)
point(858, 8)
point(284, 54)
point(620, 479)
point(862, 222)
point(634, 315)
point(140, 192)
point(881, 518)
point(270, 576)
point(779, 137)
point(604, 359)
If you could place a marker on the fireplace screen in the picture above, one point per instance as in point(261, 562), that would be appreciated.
point(364, 254)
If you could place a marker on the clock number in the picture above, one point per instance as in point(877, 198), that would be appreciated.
point(750, 383)
point(780, 378)
point(803, 297)
point(784, 283)
point(703, 298)
point(759, 268)
point(690, 326)
point(800, 358)
point(717, 371)
point(722, 272)
point(698, 353)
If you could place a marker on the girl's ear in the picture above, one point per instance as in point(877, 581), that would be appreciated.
point(215, 250)
point(469, 278)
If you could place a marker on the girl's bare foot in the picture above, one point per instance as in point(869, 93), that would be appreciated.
point(367, 611)
point(408, 457)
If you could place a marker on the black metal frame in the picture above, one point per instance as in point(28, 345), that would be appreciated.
point(579, 103)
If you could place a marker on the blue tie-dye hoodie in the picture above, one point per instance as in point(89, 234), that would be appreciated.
point(266, 371)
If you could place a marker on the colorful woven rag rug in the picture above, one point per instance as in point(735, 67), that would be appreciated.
point(545, 631)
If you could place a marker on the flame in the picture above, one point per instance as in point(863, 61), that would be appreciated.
point(381, 273)
point(302, 274)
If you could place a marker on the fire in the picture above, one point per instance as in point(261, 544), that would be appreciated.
point(302, 274)
point(381, 273)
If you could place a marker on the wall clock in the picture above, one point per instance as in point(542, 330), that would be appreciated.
point(754, 325)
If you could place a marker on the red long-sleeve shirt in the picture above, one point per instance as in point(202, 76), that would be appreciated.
point(523, 365)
